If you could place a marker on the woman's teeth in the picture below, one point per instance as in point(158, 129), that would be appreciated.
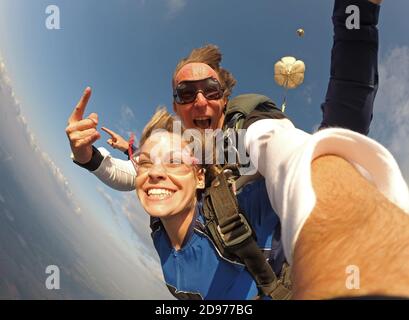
point(160, 193)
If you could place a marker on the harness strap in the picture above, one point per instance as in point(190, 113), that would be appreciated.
point(234, 237)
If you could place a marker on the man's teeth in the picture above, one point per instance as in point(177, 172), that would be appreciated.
point(202, 122)
point(161, 193)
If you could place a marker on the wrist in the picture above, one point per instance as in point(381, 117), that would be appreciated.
point(94, 162)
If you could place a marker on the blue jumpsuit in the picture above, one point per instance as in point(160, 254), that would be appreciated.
point(198, 271)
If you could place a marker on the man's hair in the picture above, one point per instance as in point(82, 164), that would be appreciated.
point(210, 55)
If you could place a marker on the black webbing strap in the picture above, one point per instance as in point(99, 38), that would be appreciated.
point(233, 236)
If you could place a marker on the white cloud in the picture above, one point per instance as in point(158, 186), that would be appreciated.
point(5, 155)
point(127, 113)
point(315, 127)
point(9, 100)
point(8, 214)
point(175, 6)
point(137, 217)
point(126, 122)
point(127, 206)
point(110, 202)
point(307, 93)
point(391, 115)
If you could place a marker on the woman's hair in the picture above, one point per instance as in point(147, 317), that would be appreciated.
point(161, 120)
point(210, 55)
point(201, 146)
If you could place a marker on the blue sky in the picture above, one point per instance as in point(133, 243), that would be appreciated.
point(127, 50)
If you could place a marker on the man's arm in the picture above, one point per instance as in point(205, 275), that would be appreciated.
point(354, 68)
point(283, 155)
point(352, 224)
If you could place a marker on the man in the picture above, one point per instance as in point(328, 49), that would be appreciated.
point(349, 101)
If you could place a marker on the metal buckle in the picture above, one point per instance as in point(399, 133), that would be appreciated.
point(239, 239)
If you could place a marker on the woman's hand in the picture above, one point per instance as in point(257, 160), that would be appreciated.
point(82, 133)
point(116, 141)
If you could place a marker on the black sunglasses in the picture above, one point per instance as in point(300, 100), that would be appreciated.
point(186, 91)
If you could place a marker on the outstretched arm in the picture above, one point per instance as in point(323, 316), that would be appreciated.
point(352, 226)
point(354, 68)
point(115, 173)
point(346, 209)
point(283, 155)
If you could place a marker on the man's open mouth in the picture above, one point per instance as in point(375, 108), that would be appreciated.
point(203, 123)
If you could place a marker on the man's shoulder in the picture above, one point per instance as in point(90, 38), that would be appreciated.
point(245, 109)
point(261, 113)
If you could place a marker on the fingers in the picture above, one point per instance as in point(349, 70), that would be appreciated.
point(116, 141)
point(78, 111)
point(83, 133)
point(94, 118)
point(88, 141)
point(85, 124)
point(79, 135)
point(82, 139)
point(110, 132)
point(113, 143)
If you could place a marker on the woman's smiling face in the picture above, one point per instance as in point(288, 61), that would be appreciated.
point(166, 183)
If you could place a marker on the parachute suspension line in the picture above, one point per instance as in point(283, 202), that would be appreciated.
point(285, 96)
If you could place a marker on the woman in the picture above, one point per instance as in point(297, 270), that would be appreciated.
point(169, 183)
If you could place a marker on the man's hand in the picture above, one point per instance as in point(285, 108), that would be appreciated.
point(376, 1)
point(116, 141)
point(82, 133)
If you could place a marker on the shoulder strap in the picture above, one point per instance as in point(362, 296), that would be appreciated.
point(234, 237)
point(239, 107)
